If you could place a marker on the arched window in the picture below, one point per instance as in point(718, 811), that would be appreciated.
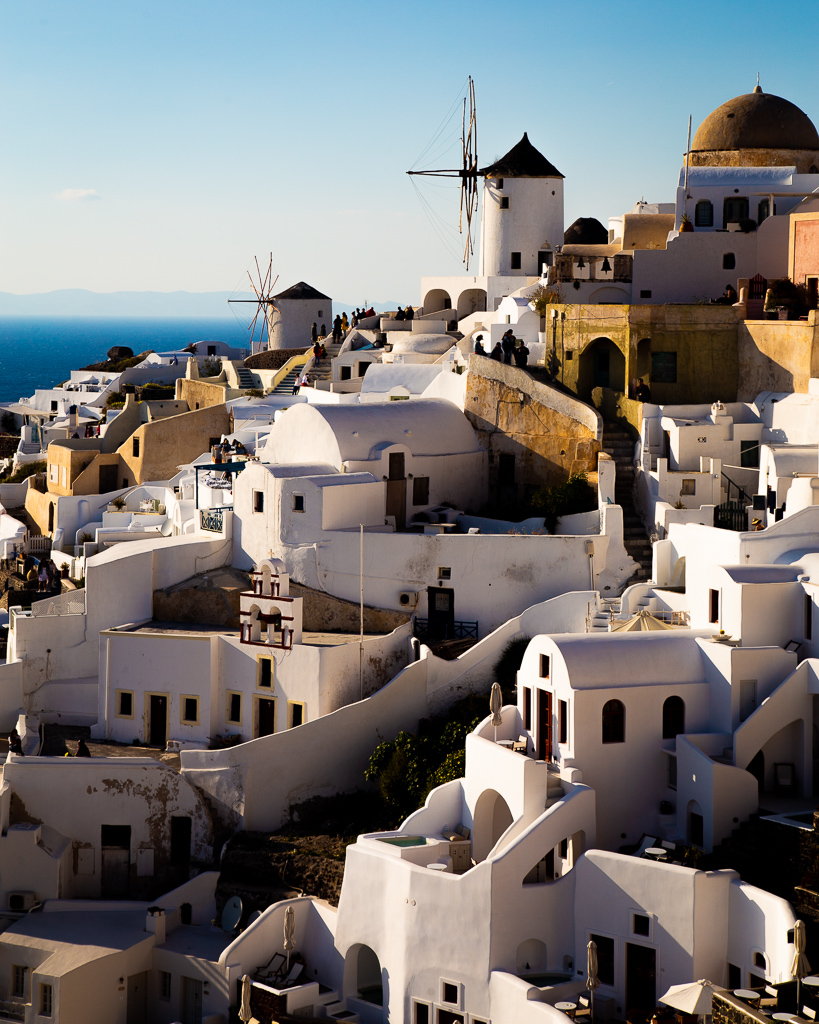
point(614, 722)
point(673, 717)
point(704, 214)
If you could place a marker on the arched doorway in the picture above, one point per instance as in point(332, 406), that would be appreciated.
point(643, 361)
point(491, 819)
point(471, 300)
point(436, 299)
point(368, 984)
point(696, 824)
point(602, 365)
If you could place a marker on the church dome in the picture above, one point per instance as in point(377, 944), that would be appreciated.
point(757, 121)
point(585, 231)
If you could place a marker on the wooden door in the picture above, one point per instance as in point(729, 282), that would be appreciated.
point(115, 841)
point(191, 1001)
point(397, 490)
point(108, 478)
point(158, 720)
point(441, 612)
point(137, 1008)
point(544, 725)
point(641, 977)
point(267, 716)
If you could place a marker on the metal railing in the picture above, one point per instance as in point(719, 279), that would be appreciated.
point(70, 603)
point(458, 630)
point(213, 519)
point(741, 493)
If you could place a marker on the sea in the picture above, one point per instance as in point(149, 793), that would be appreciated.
point(40, 352)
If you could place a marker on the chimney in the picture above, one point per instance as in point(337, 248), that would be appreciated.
point(155, 923)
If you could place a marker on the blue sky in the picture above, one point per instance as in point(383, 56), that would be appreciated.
point(161, 145)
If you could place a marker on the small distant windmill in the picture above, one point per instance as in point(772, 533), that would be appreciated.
point(263, 302)
point(467, 172)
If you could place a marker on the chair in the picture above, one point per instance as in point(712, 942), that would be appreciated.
point(583, 1008)
point(521, 744)
point(769, 997)
point(808, 1013)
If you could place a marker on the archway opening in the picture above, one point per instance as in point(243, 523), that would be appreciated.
point(436, 299)
point(369, 985)
point(491, 819)
point(471, 300)
point(602, 365)
point(531, 956)
point(696, 824)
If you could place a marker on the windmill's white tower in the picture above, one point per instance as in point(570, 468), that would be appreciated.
point(297, 309)
point(521, 213)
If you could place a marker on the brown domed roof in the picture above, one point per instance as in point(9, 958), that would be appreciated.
point(585, 231)
point(757, 120)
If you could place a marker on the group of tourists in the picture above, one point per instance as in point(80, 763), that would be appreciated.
point(361, 314)
point(46, 576)
point(507, 349)
point(407, 313)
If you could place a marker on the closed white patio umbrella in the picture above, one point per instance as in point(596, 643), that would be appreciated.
point(800, 966)
point(289, 933)
point(496, 706)
point(592, 981)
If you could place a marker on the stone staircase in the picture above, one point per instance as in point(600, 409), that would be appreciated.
point(285, 385)
point(29, 448)
point(247, 379)
point(325, 371)
point(619, 444)
point(607, 607)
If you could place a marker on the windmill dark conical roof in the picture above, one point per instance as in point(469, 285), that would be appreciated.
point(522, 161)
point(302, 290)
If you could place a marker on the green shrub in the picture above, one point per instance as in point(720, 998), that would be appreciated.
point(211, 367)
point(25, 471)
point(569, 498)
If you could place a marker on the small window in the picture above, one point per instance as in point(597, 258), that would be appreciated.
point(420, 490)
point(645, 293)
point(688, 487)
point(165, 986)
point(449, 993)
point(562, 722)
point(265, 677)
point(499, 184)
point(211, 350)
point(749, 454)
point(346, 373)
point(808, 617)
point(421, 1014)
point(504, 203)
point(320, 313)
point(704, 214)
point(298, 502)
point(295, 714)
point(564, 849)
point(641, 925)
point(734, 209)
point(713, 606)
point(19, 981)
point(663, 367)
point(515, 260)
point(444, 572)
point(125, 703)
point(545, 666)
point(46, 1000)
point(53, 406)
point(234, 707)
point(614, 722)
point(190, 710)
point(673, 717)
point(258, 501)
point(527, 708)
point(760, 961)
point(729, 261)
point(135, 447)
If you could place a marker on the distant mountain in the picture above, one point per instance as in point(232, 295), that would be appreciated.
point(80, 302)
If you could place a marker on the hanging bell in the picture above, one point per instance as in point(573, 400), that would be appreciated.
point(581, 264)
point(605, 267)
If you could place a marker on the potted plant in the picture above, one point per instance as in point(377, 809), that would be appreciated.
point(118, 503)
point(685, 223)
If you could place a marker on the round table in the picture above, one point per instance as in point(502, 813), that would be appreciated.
point(748, 995)
point(812, 979)
point(656, 853)
point(567, 1007)
point(784, 1016)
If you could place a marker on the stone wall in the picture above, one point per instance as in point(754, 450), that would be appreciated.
point(323, 613)
point(200, 394)
point(272, 359)
point(550, 434)
point(777, 355)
